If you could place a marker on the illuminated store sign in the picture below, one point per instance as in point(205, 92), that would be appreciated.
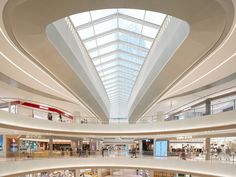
point(1, 142)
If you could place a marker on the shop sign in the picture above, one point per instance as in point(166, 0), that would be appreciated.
point(1, 142)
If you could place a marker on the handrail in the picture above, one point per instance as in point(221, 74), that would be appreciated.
point(143, 120)
point(9, 168)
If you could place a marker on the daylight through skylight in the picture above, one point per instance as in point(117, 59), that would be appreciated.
point(118, 42)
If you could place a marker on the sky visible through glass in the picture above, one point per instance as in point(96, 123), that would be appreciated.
point(118, 42)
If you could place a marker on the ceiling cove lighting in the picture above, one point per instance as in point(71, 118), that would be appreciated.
point(118, 42)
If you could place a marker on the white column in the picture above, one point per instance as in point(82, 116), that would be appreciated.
point(151, 172)
point(99, 170)
point(50, 146)
point(4, 147)
point(140, 147)
point(154, 147)
point(77, 172)
point(208, 148)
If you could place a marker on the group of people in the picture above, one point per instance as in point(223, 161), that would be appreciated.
point(50, 116)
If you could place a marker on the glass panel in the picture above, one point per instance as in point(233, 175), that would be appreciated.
point(105, 26)
point(105, 66)
point(133, 13)
point(130, 65)
point(110, 70)
point(130, 26)
point(118, 64)
point(93, 54)
point(108, 49)
point(96, 62)
point(97, 14)
point(107, 38)
point(154, 17)
point(91, 44)
point(80, 19)
point(132, 50)
point(132, 40)
point(150, 32)
point(86, 33)
point(109, 58)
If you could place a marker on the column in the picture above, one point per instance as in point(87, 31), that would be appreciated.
point(140, 147)
point(4, 146)
point(208, 148)
point(208, 107)
point(99, 170)
point(77, 172)
point(50, 146)
point(151, 173)
point(9, 107)
point(154, 147)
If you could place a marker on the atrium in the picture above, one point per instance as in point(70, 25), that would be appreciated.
point(118, 88)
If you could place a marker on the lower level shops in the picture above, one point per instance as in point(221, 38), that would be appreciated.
point(221, 148)
point(103, 172)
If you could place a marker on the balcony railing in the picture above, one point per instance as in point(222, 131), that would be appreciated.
point(185, 114)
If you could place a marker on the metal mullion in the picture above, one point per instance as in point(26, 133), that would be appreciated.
point(116, 30)
point(117, 66)
point(133, 46)
point(116, 97)
point(118, 85)
point(118, 101)
point(119, 42)
point(119, 80)
point(95, 22)
point(139, 21)
point(100, 35)
point(117, 76)
point(117, 52)
point(114, 83)
point(119, 93)
point(117, 59)
point(108, 76)
point(137, 35)
point(112, 88)
point(103, 46)
point(120, 72)
point(118, 90)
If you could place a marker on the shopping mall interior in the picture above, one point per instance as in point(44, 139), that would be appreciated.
point(118, 88)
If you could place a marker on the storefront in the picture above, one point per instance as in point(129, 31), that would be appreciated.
point(12, 146)
point(1, 146)
point(161, 148)
point(191, 147)
point(147, 147)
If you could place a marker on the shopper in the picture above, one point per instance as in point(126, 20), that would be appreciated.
point(60, 117)
point(183, 155)
point(133, 153)
point(102, 152)
point(50, 116)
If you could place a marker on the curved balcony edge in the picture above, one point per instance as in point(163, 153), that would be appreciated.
point(219, 121)
point(207, 168)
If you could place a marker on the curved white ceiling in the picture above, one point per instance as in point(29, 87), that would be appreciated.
point(207, 29)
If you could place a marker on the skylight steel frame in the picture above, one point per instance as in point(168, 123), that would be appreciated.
point(117, 42)
point(124, 49)
point(117, 52)
point(118, 30)
point(114, 16)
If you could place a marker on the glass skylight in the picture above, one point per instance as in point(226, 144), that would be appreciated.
point(118, 42)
